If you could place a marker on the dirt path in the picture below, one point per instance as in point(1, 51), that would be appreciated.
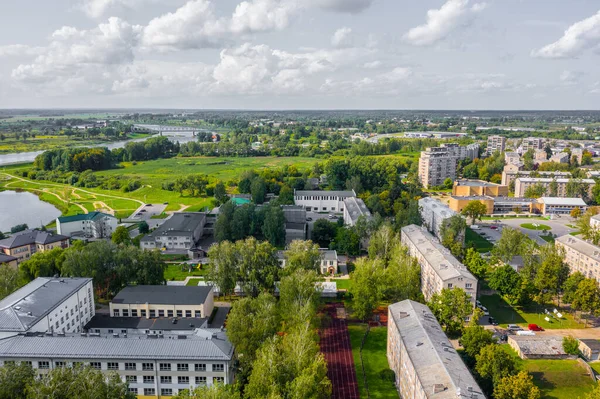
point(99, 205)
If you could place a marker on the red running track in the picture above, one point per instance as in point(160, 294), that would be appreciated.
point(335, 346)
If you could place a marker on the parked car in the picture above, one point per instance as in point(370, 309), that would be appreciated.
point(148, 204)
point(534, 327)
point(494, 227)
point(514, 327)
point(492, 321)
point(331, 216)
point(309, 219)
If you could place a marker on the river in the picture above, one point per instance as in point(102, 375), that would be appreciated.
point(17, 208)
point(26, 157)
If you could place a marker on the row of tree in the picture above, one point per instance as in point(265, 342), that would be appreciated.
point(238, 222)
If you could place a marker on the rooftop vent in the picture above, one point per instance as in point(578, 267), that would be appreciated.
point(181, 337)
point(437, 388)
point(116, 335)
point(403, 315)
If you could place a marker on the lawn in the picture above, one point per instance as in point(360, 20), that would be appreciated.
point(536, 226)
point(342, 284)
point(506, 314)
point(376, 364)
point(193, 282)
point(481, 244)
point(549, 239)
point(557, 379)
point(180, 272)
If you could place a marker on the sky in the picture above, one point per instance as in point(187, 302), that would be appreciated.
point(300, 54)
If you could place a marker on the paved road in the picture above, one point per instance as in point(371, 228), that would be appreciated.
point(146, 211)
point(559, 228)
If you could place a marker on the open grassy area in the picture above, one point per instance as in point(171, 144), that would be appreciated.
point(534, 314)
point(375, 361)
point(536, 226)
point(481, 244)
point(43, 142)
point(549, 239)
point(557, 379)
point(180, 272)
point(343, 284)
point(193, 282)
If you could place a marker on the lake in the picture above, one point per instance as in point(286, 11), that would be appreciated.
point(17, 208)
point(26, 157)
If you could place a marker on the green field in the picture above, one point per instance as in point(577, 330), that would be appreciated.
point(537, 226)
point(49, 142)
point(342, 284)
point(180, 272)
point(375, 362)
point(506, 314)
point(481, 244)
point(557, 379)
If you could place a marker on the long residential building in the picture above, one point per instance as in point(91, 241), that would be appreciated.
point(322, 201)
point(461, 152)
point(495, 143)
point(581, 256)
point(509, 175)
point(25, 244)
point(179, 232)
point(435, 214)
point(61, 305)
point(523, 183)
point(532, 143)
point(439, 268)
point(93, 224)
point(436, 164)
point(424, 361)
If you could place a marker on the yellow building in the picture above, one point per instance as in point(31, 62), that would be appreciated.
point(457, 204)
point(8, 260)
point(467, 188)
point(24, 244)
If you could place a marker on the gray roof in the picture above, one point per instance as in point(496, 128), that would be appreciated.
point(137, 347)
point(513, 200)
point(539, 345)
point(593, 344)
point(28, 237)
point(142, 323)
point(356, 208)
point(180, 224)
point(441, 260)
point(437, 207)
point(328, 254)
point(581, 246)
point(344, 194)
point(163, 294)
point(25, 307)
point(434, 359)
point(549, 180)
point(6, 258)
point(475, 183)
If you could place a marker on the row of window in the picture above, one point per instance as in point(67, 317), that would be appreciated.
point(152, 391)
point(154, 313)
point(167, 379)
point(219, 367)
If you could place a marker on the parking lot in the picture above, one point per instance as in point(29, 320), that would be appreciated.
point(145, 212)
point(312, 217)
point(492, 229)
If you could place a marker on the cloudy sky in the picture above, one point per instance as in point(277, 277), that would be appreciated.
point(309, 54)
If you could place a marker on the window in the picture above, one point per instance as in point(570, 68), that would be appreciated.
point(96, 365)
point(152, 313)
point(161, 313)
point(166, 392)
point(116, 312)
point(183, 379)
point(165, 366)
point(132, 379)
point(169, 313)
point(148, 379)
point(149, 392)
point(218, 380)
point(43, 365)
point(125, 313)
point(148, 366)
point(132, 390)
point(134, 313)
point(165, 379)
point(77, 364)
point(188, 313)
point(123, 331)
point(130, 366)
point(112, 366)
point(59, 364)
point(27, 363)
point(182, 367)
point(201, 380)
point(218, 367)
point(200, 367)
point(143, 313)
point(449, 285)
point(197, 313)
point(468, 285)
point(179, 313)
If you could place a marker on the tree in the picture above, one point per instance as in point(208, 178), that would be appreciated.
point(274, 226)
point(382, 242)
point(570, 345)
point(571, 285)
point(286, 195)
point(575, 213)
point(18, 228)
point(583, 224)
point(507, 282)
point(9, 280)
point(448, 183)
point(366, 286)
point(451, 307)
point(258, 266)
point(475, 263)
point(535, 191)
point(552, 272)
point(298, 297)
point(222, 267)
point(494, 363)
point(509, 245)
point(258, 190)
point(452, 232)
point(143, 227)
point(215, 391)
point(587, 297)
point(474, 210)
point(221, 193)
point(593, 394)
point(302, 255)
point(42, 264)
point(14, 380)
point(323, 232)
point(121, 236)
point(223, 225)
point(402, 276)
point(474, 339)
point(518, 386)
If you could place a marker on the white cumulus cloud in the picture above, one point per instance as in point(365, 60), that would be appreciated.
point(345, 6)
point(442, 22)
point(342, 37)
point(579, 37)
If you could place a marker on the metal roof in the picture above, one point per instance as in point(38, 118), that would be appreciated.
point(83, 216)
point(194, 347)
point(344, 194)
point(435, 361)
point(163, 294)
point(356, 208)
point(142, 323)
point(179, 224)
point(549, 180)
point(28, 237)
point(25, 307)
point(563, 201)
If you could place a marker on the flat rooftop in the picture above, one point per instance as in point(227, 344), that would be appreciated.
point(539, 345)
point(549, 180)
point(436, 362)
point(163, 295)
point(356, 208)
point(475, 183)
point(318, 193)
point(142, 323)
point(25, 307)
point(563, 201)
point(437, 207)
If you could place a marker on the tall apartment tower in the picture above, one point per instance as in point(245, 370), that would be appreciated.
point(436, 165)
point(532, 143)
point(495, 143)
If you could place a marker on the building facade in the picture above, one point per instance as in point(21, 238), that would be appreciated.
point(581, 256)
point(7, 260)
point(560, 157)
point(435, 214)
point(523, 183)
point(424, 361)
point(25, 244)
point(59, 305)
point(93, 224)
point(532, 143)
point(436, 164)
point(466, 188)
point(179, 232)
point(439, 268)
point(509, 175)
point(512, 158)
point(495, 143)
point(322, 201)
point(559, 206)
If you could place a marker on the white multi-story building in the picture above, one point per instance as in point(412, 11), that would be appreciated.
point(153, 301)
point(439, 268)
point(523, 183)
point(181, 232)
point(581, 256)
point(434, 214)
point(512, 158)
point(470, 151)
point(509, 174)
point(436, 164)
point(424, 361)
point(93, 224)
point(495, 143)
point(532, 143)
point(60, 305)
point(322, 201)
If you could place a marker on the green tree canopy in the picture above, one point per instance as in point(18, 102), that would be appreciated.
point(451, 307)
point(518, 386)
point(474, 210)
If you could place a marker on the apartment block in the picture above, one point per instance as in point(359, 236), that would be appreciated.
point(424, 361)
point(510, 174)
point(25, 244)
point(560, 157)
point(495, 143)
point(577, 153)
point(470, 151)
point(435, 214)
point(581, 256)
point(532, 143)
point(523, 183)
point(93, 224)
point(439, 268)
point(512, 158)
point(540, 156)
point(436, 164)
point(179, 232)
